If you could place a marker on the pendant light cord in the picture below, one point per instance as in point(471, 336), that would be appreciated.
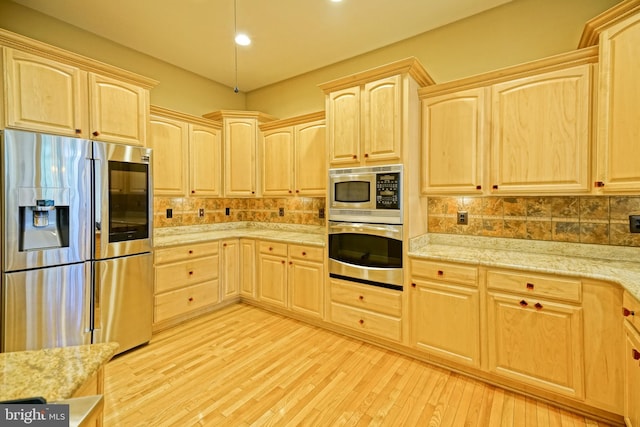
point(235, 44)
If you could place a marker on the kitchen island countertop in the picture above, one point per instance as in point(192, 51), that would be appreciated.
point(617, 264)
point(285, 233)
point(53, 373)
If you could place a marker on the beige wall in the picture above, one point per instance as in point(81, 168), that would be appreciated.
point(516, 32)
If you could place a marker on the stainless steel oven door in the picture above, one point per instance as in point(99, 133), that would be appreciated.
point(366, 253)
point(123, 200)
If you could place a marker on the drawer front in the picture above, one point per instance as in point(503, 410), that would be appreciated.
point(365, 297)
point(179, 253)
point(311, 253)
point(273, 248)
point(181, 301)
point(632, 306)
point(536, 285)
point(366, 321)
point(444, 272)
point(181, 274)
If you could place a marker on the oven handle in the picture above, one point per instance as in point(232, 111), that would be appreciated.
point(382, 230)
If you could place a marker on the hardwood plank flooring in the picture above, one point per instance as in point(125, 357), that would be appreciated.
point(243, 366)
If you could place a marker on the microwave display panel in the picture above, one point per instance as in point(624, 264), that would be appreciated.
point(352, 191)
point(388, 190)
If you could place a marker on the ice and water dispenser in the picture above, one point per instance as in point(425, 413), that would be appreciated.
point(43, 218)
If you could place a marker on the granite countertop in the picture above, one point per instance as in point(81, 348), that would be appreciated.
point(52, 373)
point(286, 233)
point(615, 264)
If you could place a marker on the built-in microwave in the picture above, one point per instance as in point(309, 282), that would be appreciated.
point(366, 194)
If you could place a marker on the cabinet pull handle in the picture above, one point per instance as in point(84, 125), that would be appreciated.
point(355, 157)
point(193, 191)
point(290, 191)
point(635, 354)
point(95, 133)
point(530, 286)
point(478, 187)
point(538, 306)
point(190, 299)
point(224, 245)
point(78, 131)
point(413, 285)
point(297, 191)
point(283, 262)
point(304, 254)
point(270, 248)
point(626, 312)
point(598, 184)
point(290, 262)
point(366, 155)
point(440, 273)
point(361, 321)
point(495, 187)
point(523, 303)
point(190, 252)
point(361, 298)
point(191, 273)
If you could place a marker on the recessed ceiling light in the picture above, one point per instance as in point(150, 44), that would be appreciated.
point(243, 39)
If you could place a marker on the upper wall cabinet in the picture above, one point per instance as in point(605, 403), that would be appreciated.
point(618, 107)
point(50, 90)
point(294, 156)
point(240, 136)
point(187, 154)
point(367, 114)
point(522, 130)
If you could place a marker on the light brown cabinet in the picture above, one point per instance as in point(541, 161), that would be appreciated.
point(368, 309)
point(272, 273)
point(186, 281)
point(50, 96)
point(248, 268)
point(535, 330)
point(455, 132)
point(445, 311)
point(294, 156)
point(230, 269)
point(618, 106)
point(187, 156)
point(631, 360)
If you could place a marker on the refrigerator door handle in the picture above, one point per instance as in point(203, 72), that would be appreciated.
point(88, 290)
point(97, 291)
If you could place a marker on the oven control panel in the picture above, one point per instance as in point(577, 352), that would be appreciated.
point(388, 190)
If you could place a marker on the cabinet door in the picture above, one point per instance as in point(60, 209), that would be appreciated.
point(382, 119)
point(536, 342)
point(343, 119)
point(445, 321)
point(618, 106)
point(311, 159)
point(541, 133)
point(119, 111)
point(240, 136)
point(277, 162)
point(169, 140)
point(44, 95)
point(272, 279)
point(230, 268)
point(454, 134)
point(632, 376)
point(248, 268)
point(306, 286)
point(204, 160)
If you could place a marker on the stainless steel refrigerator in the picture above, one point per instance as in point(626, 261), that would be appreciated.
point(76, 242)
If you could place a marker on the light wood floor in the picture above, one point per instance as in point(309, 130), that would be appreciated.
point(244, 366)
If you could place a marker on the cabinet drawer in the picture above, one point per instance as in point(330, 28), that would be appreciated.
point(444, 272)
point(367, 297)
point(180, 274)
point(632, 306)
point(311, 253)
point(536, 285)
point(180, 301)
point(179, 253)
point(273, 248)
point(367, 321)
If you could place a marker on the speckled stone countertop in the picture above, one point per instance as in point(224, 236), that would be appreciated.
point(617, 264)
point(286, 233)
point(52, 373)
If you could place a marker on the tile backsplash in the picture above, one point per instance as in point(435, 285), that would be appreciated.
point(185, 210)
point(579, 219)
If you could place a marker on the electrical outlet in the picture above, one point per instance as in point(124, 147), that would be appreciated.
point(321, 213)
point(463, 218)
point(281, 211)
point(169, 213)
point(201, 212)
point(634, 223)
point(227, 211)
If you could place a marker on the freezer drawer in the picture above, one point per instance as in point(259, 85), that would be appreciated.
point(48, 307)
point(123, 300)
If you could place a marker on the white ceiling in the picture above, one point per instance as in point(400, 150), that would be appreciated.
point(290, 37)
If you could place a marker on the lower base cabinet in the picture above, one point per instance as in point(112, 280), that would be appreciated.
point(230, 269)
point(631, 360)
point(247, 260)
